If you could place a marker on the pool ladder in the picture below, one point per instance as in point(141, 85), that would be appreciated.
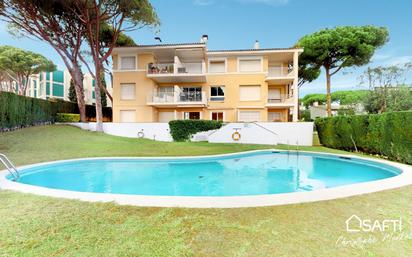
point(10, 167)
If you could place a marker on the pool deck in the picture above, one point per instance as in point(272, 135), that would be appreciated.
point(403, 179)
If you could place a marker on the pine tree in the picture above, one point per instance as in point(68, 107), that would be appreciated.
point(72, 92)
point(103, 94)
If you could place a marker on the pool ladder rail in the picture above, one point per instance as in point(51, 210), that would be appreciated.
point(10, 167)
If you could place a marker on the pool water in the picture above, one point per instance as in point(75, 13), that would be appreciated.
point(235, 175)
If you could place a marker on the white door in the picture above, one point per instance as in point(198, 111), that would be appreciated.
point(249, 116)
point(166, 116)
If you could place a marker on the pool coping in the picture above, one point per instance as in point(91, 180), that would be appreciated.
point(403, 179)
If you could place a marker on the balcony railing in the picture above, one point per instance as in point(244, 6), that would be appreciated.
point(279, 99)
point(177, 97)
point(280, 72)
point(174, 68)
point(160, 68)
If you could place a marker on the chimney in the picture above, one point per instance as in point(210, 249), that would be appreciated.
point(204, 39)
point(256, 45)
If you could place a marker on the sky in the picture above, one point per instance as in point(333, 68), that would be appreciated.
point(236, 24)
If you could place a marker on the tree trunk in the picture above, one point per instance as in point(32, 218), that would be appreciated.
point(97, 88)
point(328, 96)
point(77, 76)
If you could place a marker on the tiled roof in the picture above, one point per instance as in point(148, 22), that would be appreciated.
point(252, 49)
point(160, 45)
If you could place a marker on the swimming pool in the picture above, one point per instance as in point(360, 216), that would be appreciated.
point(259, 173)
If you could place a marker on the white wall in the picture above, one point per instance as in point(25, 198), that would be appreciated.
point(154, 131)
point(268, 133)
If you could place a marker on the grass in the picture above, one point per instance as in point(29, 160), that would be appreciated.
point(33, 225)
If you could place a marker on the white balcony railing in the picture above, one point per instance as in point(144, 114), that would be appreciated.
point(177, 97)
point(279, 98)
point(280, 72)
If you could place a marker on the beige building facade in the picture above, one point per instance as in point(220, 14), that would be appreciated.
point(159, 83)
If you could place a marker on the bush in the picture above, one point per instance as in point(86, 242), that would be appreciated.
point(18, 111)
point(67, 117)
point(388, 134)
point(182, 130)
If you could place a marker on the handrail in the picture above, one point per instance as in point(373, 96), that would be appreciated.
point(274, 133)
point(10, 167)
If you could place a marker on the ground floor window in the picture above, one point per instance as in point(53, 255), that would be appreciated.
point(274, 116)
point(127, 116)
point(191, 115)
point(217, 116)
point(249, 116)
point(166, 116)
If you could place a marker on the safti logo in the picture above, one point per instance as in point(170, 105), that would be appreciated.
point(356, 224)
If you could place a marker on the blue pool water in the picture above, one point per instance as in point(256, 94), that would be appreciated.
point(244, 174)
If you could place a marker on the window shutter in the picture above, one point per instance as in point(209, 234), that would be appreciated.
point(249, 93)
point(128, 63)
point(128, 116)
point(249, 116)
point(252, 65)
point(127, 91)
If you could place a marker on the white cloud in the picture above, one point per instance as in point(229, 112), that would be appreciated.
point(399, 60)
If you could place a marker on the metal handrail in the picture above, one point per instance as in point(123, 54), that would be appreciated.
point(9, 166)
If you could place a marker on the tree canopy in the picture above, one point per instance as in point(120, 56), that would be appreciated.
point(20, 64)
point(338, 48)
point(345, 97)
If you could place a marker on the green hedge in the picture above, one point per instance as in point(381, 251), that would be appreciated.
point(20, 111)
point(67, 117)
point(388, 134)
point(182, 130)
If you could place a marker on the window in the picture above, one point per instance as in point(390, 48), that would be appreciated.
point(250, 65)
point(217, 66)
point(127, 116)
point(127, 92)
point(274, 116)
point(166, 116)
point(217, 116)
point(191, 94)
point(191, 115)
point(128, 63)
point(249, 116)
point(217, 93)
point(249, 93)
point(274, 95)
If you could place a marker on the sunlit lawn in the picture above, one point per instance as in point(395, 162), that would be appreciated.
point(42, 226)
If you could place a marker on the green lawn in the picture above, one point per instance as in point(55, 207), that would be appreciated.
point(42, 226)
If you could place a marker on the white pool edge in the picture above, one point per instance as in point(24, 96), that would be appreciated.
point(403, 179)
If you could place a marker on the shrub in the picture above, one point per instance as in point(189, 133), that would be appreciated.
point(182, 130)
point(18, 111)
point(388, 134)
point(67, 117)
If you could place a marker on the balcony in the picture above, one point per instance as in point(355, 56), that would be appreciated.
point(177, 72)
point(280, 75)
point(178, 99)
point(282, 100)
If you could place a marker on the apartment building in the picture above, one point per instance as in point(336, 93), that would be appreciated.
point(159, 83)
point(56, 84)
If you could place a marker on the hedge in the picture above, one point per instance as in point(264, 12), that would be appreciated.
point(20, 111)
point(388, 134)
point(67, 117)
point(182, 130)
